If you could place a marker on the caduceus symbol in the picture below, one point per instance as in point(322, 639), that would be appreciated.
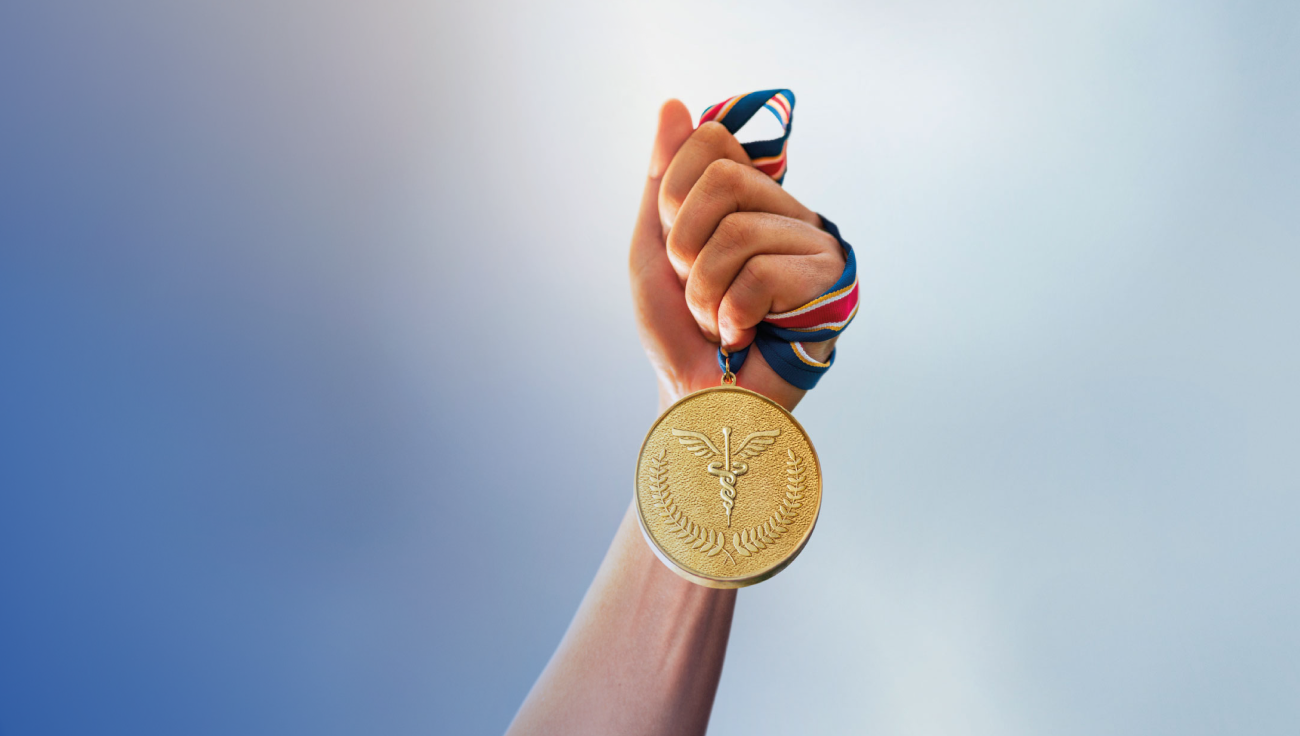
point(727, 470)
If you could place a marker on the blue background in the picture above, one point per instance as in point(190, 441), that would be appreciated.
point(320, 394)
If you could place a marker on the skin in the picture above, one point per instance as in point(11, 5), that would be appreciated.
point(717, 246)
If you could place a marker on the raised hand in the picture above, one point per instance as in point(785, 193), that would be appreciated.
point(718, 245)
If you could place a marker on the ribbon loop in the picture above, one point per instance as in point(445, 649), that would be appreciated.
point(767, 156)
point(781, 336)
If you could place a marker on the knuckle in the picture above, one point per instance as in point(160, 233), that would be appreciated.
point(673, 242)
point(712, 135)
point(750, 281)
point(736, 315)
point(731, 234)
point(746, 298)
point(696, 298)
point(830, 245)
point(702, 303)
point(730, 322)
point(724, 173)
point(677, 248)
point(723, 177)
point(728, 314)
point(671, 196)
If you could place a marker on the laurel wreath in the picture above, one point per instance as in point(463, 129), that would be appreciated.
point(752, 540)
point(703, 540)
point(709, 542)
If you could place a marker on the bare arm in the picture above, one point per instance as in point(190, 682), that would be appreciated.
point(717, 246)
point(642, 656)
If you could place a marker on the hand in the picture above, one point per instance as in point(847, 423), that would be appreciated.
point(719, 245)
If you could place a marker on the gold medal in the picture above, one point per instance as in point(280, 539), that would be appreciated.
point(728, 487)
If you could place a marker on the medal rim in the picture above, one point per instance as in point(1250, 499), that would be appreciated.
point(700, 578)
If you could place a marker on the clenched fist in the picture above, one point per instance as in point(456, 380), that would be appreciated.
point(718, 246)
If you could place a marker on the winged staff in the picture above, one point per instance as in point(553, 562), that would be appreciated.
point(727, 469)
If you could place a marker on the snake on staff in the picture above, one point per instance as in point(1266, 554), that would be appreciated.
point(726, 469)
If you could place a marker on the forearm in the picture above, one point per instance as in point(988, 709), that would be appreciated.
point(642, 656)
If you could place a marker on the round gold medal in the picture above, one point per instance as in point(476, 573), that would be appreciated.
point(728, 487)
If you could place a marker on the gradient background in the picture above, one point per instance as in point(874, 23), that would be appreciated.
point(320, 394)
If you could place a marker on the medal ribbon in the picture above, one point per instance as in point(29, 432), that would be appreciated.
point(781, 336)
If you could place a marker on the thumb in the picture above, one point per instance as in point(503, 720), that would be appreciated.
point(674, 128)
point(668, 331)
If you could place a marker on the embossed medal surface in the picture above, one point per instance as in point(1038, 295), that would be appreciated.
point(728, 487)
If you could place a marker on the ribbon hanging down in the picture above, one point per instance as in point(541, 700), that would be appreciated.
point(781, 337)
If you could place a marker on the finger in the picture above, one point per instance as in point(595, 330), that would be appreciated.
point(768, 283)
point(710, 142)
point(668, 329)
point(742, 236)
point(726, 188)
point(673, 130)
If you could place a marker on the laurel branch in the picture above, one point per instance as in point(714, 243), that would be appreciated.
point(752, 540)
point(706, 541)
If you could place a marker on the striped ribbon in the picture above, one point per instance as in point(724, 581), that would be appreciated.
point(781, 337)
